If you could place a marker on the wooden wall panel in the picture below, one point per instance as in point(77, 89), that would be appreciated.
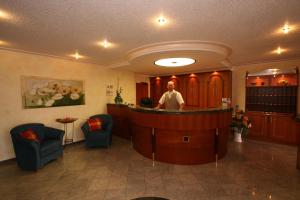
point(198, 89)
point(215, 91)
point(141, 91)
point(156, 88)
point(192, 91)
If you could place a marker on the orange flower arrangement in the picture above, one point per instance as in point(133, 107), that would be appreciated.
point(241, 123)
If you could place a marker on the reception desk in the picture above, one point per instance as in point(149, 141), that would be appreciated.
point(180, 137)
point(298, 153)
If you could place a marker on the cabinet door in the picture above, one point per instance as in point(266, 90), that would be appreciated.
point(259, 124)
point(192, 91)
point(156, 89)
point(283, 128)
point(215, 88)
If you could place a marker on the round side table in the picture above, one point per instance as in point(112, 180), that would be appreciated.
point(65, 122)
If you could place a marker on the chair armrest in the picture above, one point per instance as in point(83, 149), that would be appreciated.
point(53, 133)
point(29, 143)
point(85, 129)
point(109, 127)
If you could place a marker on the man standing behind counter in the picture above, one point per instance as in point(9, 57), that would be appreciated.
point(172, 98)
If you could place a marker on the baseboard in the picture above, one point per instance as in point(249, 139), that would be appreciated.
point(4, 162)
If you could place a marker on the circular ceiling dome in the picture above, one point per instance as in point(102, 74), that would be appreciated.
point(174, 62)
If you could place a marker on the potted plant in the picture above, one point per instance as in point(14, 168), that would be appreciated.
point(240, 125)
point(118, 98)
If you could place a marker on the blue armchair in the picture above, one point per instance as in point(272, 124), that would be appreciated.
point(32, 155)
point(101, 138)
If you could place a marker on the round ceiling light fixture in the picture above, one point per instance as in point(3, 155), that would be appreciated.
point(174, 62)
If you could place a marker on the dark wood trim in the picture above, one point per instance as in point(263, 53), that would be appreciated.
point(5, 162)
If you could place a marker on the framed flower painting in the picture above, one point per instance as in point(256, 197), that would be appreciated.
point(38, 92)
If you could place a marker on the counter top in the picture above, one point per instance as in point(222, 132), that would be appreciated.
point(184, 111)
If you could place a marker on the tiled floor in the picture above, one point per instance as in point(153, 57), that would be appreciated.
point(251, 170)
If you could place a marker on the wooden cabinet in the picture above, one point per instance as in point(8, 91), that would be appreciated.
point(271, 103)
point(259, 122)
point(200, 90)
point(120, 115)
point(283, 128)
point(274, 127)
point(272, 93)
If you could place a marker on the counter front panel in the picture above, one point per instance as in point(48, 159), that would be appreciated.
point(180, 137)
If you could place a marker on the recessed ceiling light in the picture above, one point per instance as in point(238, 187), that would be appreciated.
point(77, 55)
point(161, 20)
point(4, 15)
point(286, 28)
point(174, 62)
point(105, 44)
point(279, 51)
point(3, 43)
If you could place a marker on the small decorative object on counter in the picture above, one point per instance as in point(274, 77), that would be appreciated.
point(240, 125)
point(226, 103)
point(147, 102)
point(118, 98)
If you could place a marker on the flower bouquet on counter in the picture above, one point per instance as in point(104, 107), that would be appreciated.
point(240, 125)
point(118, 98)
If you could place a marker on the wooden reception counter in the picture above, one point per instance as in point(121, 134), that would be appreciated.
point(179, 137)
point(298, 153)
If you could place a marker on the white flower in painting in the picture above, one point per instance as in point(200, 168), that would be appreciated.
point(42, 91)
point(74, 96)
point(51, 91)
point(32, 91)
point(39, 102)
point(49, 103)
point(54, 85)
point(75, 89)
point(64, 90)
point(57, 96)
point(39, 85)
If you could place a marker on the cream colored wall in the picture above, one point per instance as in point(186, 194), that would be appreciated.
point(238, 78)
point(13, 65)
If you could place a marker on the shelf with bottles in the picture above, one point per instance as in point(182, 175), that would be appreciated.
point(280, 80)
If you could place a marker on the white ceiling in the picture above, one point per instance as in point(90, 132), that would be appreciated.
point(57, 27)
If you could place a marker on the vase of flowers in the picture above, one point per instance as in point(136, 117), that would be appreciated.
point(118, 98)
point(240, 125)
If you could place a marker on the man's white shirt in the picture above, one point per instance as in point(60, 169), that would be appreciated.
point(178, 97)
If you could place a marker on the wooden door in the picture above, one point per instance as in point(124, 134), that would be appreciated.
point(141, 91)
point(283, 128)
point(192, 91)
point(215, 89)
point(259, 125)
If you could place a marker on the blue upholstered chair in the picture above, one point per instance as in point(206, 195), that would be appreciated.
point(32, 155)
point(101, 138)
